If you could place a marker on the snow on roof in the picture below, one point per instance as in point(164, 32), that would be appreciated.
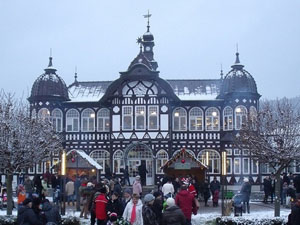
point(88, 91)
point(88, 158)
point(196, 97)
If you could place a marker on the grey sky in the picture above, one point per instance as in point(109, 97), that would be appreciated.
point(192, 39)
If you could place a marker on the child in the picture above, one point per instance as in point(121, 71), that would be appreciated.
point(112, 219)
point(21, 194)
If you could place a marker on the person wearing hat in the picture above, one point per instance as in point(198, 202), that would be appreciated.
point(149, 216)
point(126, 196)
point(173, 214)
point(246, 192)
point(26, 215)
point(133, 211)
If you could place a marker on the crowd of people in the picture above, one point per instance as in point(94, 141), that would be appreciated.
point(110, 202)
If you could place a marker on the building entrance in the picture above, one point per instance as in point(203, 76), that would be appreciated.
point(136, 155)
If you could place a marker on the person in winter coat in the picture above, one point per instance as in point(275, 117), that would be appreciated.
point(126, 197)
point(115, 205)
point(267, 188)
point(149, 216)
point(126, 176)
point(186, 202)
point(158, 205)
point(69, 189)
point(100, 207)
point(133, 211)
point(205, 192)
point(143, 172)
point(297, 183)
point(294, 217)
point(117, 187)
point(246, 192)
point(137, 187)
point(215, 190)
point(85, 194)
point(173, 214)
point(26, 215)
point(51, 213)
point(168, 188)
point(38, 185)
point(28, 184)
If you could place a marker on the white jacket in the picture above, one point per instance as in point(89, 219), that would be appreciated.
point(167, 188)
point(139, 215)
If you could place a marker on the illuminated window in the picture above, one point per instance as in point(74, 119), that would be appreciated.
point(161, 159)
point(102, 157)
point(103, 120)
point(213, 160)
point(237, 165)
point(212, 119)
point(44, 114)
point(179, 119)
point(240, 117)
point(228, 118)
point(140, 118)
point(118, 162)
point(196, 119)
point(152, 117)
point(88, 120)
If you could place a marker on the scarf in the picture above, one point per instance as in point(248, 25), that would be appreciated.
point(133, 214)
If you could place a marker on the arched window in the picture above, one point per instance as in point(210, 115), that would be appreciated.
point(227, 118)
point(212, 119)
point(72, 120)
point(161, 159)
point(196, 119)
point(44, 114)
point(189, 151)
point(213, 160)
point(179, 119)
point(33, 114)
point(102, 157)
point(88, 120)
point(118, 161)
point(103, 120)
point(240, 117)
point(57, 118)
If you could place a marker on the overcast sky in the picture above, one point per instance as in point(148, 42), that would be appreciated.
point(192, 39)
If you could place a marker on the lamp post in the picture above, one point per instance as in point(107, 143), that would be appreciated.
point(223, 177)
point(63, 183)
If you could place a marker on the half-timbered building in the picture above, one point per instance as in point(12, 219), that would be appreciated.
point(142, 117)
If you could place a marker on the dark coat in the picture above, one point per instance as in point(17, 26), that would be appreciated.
point(173, 216)
point(115, 206)
point(267, 186)
point(295, 215)
point(297, 183)
point(205, 190)
point(215, 186)
point(51, 213)
point(185, 201)
point(149, 216)
point(26, 216)
point(157, 208)
point(246, 191)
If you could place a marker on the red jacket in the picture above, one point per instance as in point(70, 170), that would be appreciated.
point(100, 207)
point(185, 201)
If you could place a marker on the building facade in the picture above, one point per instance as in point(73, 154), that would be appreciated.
point(141, 117)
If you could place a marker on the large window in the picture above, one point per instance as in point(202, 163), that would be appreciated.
point(213, 160)
point(196, 119)
point(229, 165)
point(72, 120)
point(103, 120)
point(161, 159)
point(228, 118)
point(255, 166)
point(237, 165)
point(118, 162)
point(56, 118)
point(240, 117)
point(179, 119)
point(212, 119)
point(127, 118)
point(140, 121)
point(246, 165)
point(102, 157)
point(152, 117)
point(253, 116)
point(44, 114)
point(88, 120)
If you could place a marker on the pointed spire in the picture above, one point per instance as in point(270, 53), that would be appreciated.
point(75, 76)
point(50, 68)
point(50, 62)
point(221, 72)
point(237, 64)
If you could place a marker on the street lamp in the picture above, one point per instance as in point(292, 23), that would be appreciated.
point(63, 183)
point(223, 177)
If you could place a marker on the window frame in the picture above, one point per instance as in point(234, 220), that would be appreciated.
point(127, 115)
point(195, 118)
point(55, 120)
point(245, 172)
point(88, 120)
point(149, 115)
point(71, 119)
point(140, 114)
point(120, 162)
point(240, 117)
point(105, 119)
point(210, 118)
point(180, 118)
point(226, 118)
point(239, 167)
point(161, 160)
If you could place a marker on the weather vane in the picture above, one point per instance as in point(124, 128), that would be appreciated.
point(148, 16)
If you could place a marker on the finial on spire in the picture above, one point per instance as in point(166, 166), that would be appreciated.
point(139, 40)
point(50, 58)
point(148, 24)
point(50, 52)
point(221, 72)
point(75, 76)
point(237, 59)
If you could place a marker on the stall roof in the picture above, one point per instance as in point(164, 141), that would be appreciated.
point(88, 158)
point(183, 153)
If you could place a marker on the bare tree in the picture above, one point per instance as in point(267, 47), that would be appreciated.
point(273, 137)
point(24, 141)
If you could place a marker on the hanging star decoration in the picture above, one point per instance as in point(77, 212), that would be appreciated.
point(139, 40)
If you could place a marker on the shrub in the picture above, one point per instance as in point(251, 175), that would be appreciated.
point(249, 221)
point(12, 220)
